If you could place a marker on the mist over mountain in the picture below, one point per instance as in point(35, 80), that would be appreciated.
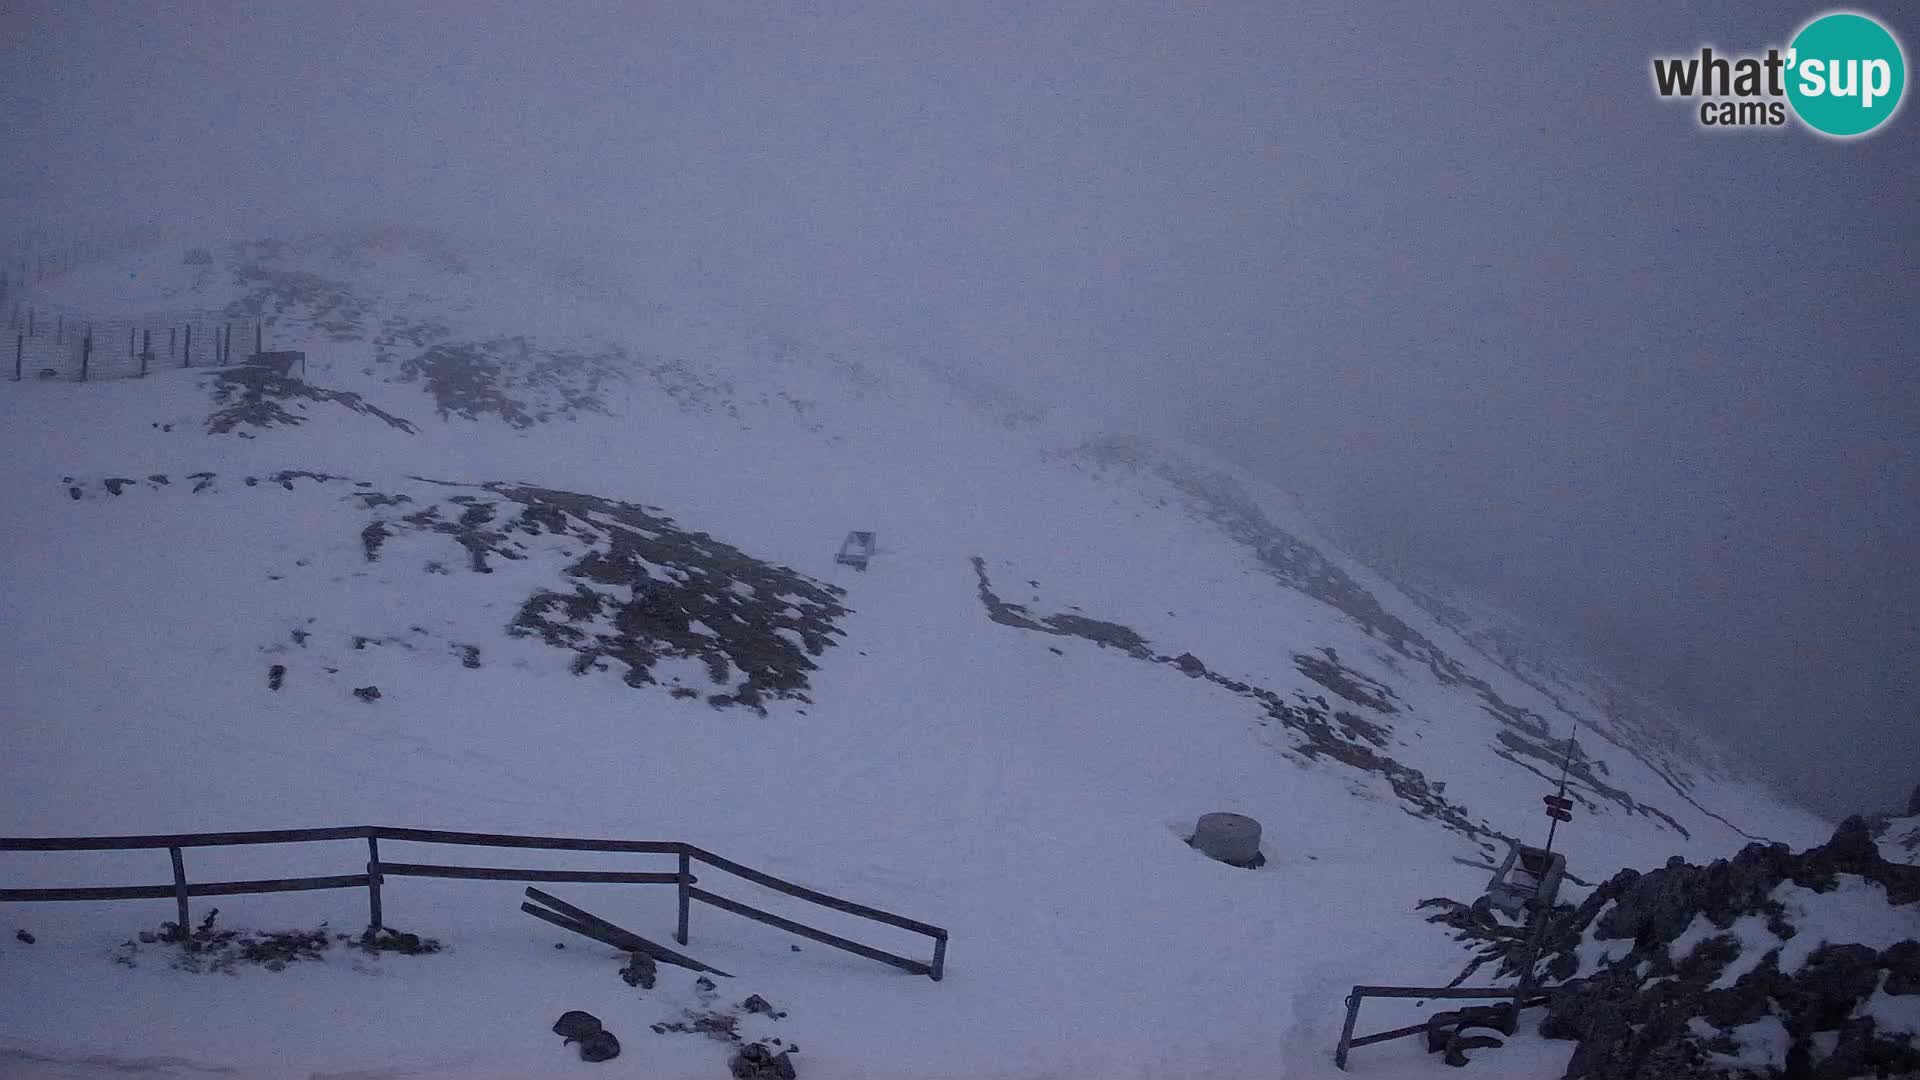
point(935, 456)
point(499, 546)
point(1552, 344)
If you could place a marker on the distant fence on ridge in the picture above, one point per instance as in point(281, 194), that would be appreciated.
point(61, 345)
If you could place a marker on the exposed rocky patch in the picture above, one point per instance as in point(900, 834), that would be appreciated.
point(1341, 737)
point(758, 1061)
point(1904, 836)
point(1345, 683)
point(399, 335)
point(385, 939)
point(294, 297)
point(207, 948)
point(1674, 1001)
point(514, 381)
point(648, 590)
point(632, 589)
point(255, 398)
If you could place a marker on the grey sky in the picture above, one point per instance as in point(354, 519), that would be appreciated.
point(1454, 275)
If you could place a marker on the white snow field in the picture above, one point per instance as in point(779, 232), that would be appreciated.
point(1029, 791)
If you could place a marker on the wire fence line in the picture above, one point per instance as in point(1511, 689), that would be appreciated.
point(78, 348)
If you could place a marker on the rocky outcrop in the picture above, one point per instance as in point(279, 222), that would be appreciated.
point(1341, 736)
point(1679, 996)
point(252, 399)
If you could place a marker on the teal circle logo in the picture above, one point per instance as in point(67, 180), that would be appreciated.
point(1846, 74)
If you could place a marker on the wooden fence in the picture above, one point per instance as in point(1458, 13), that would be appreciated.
point(377, 870)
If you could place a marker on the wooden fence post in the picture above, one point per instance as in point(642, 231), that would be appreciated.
point(146, 350)
point(173, 332)
point(186, 354)
point(686, 880)
point(180, 893)
point(86, 353)
point(1346, 1031)
point(256, 339)
point(373, 883)
point(939, 959)
point(226, 350)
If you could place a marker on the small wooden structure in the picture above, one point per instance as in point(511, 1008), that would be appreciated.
point(857, 549)
point(1529, 876)
point(282, 362)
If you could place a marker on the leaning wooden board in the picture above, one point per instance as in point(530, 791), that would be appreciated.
point(590, 925)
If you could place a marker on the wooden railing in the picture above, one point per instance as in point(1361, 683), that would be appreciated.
point(181, 889)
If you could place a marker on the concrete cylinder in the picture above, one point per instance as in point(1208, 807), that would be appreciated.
point(1230, 838)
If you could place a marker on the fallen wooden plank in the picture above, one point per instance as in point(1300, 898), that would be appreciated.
point(622, 938)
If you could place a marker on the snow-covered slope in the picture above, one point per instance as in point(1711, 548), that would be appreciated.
point(583, 547)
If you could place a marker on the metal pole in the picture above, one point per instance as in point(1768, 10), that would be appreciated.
point(1538, 906)
point(1566, 762)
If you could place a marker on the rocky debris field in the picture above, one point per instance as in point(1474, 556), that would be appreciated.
point(1526, 738)
point(630, 590)
point(207, 948)
point(769, 1057)
point(514, 381)
point(253, 398)
point(1322, 730)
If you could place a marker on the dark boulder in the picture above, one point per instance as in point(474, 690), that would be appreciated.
point(599, 1046)
point(640, 971)
point(756, 1062)
point(574, 1024)
point(1902, 962)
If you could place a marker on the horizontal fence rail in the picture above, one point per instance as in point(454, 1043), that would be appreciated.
point(377, 870)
